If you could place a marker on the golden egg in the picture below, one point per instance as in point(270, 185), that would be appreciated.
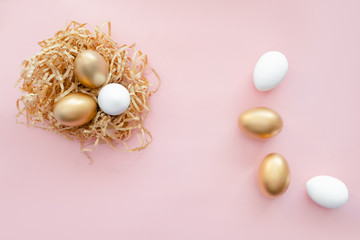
point(260, 122)
point(75, 109)
point(91, 69)
point(274, 175)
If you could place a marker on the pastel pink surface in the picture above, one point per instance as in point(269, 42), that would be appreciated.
point(197, 180)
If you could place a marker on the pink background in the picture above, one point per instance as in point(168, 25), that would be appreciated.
point(197, 180)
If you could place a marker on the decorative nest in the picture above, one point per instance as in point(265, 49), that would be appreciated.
point(48, 76)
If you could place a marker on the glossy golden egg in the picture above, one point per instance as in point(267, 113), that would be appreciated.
point(91, 69)
point(75, 109)
point(274, 175)
point(260, 122)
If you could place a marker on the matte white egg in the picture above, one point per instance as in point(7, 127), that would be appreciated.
point(270, 70)
point(328, 192)
point(114, 99)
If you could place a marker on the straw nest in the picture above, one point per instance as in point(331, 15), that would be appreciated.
point(48, 76)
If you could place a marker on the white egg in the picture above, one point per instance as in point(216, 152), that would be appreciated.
point(328, 192)
point(270, 70)
point(114, 99)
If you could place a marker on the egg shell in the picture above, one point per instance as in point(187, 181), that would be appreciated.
point(260, 122)
point(114, 99)
point(327, 191)
point(75, 109)
point(270, 70)
point(274, 175)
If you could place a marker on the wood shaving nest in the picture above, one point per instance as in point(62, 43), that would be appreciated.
point(48, 76)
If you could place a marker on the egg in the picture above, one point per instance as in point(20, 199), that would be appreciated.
point(91, 69)
point(75, 109)
point(274, 175)
point(270, 70)
point(327, 191)
point(260, 122)
point(114, 99)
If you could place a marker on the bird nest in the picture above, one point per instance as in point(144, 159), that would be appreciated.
point(48, 76)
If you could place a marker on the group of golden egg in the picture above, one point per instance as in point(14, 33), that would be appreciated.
point(91, 70)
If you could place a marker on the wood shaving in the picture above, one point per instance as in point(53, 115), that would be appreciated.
point(48, 76)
